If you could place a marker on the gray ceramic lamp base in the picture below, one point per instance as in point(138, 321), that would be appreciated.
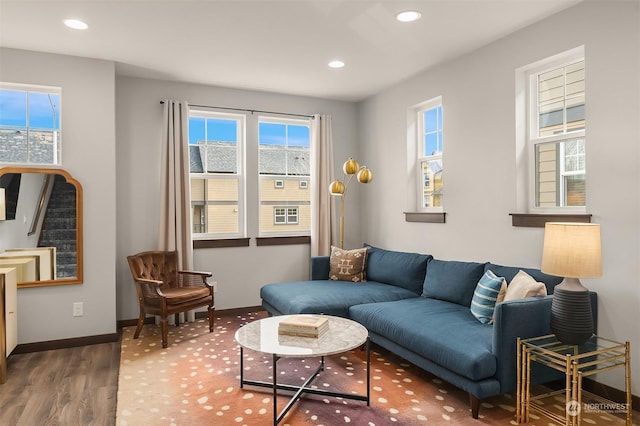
point(571, 317)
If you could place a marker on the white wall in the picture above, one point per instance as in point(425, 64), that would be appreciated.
point(240, 272)
point(479, 156)
point(88, 154)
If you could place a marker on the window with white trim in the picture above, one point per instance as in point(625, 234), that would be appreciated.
point(285, 215)
point(556, 133)
point(283, 159)
point(29, 124)
point(429, 159)
point(216, 146)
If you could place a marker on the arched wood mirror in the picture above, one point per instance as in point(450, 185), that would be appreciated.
point(41, 234)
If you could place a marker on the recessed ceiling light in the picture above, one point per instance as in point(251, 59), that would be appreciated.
point(76, 24)
point(408, 16)
point(336, 64)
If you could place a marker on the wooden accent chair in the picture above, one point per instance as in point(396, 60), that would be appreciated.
point(164, 290)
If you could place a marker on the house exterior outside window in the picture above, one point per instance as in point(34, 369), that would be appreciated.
point(284, 164)
point(429, 161)
point(30, 131)
point(556, 134)
point(216, 144)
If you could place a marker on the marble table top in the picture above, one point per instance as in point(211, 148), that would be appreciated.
point(262, 336)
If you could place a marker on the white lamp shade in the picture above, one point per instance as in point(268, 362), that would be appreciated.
point(3, 206)
point(572, 250)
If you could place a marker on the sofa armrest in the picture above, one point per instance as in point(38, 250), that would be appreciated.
point(523, 318)
point(320, 267)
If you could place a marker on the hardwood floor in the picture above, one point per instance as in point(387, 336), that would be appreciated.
point(74, 386)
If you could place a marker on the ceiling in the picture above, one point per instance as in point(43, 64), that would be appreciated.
point(276, 46)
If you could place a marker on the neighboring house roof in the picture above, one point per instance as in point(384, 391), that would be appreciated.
point(221, 157)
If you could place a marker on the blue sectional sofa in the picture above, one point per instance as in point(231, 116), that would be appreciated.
point(419, 308)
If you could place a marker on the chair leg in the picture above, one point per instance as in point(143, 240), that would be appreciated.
point(140, 324)
point(211, 310)
point(165, 333)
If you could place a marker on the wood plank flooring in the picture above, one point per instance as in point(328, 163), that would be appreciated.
point(74, 386)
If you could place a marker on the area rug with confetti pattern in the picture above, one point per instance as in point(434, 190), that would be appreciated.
point(196, 381)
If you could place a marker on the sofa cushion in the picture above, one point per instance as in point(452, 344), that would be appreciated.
point(486, 296)
point(508, 272)
point(452, 281)
point(523, 286)
point(347, 265)
point(442, 332)
point(406, 270)
point(328, 297)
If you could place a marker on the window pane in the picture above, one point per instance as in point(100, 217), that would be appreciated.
point(432, 124)
point(43, 111)
point(214, 204)
point(298, 136)
point(196, 130)
point(432, 183)
point(432, 144)
point(272, 134)
point(432, 120)
point(13, 108)
point(575, 190)
point(283, 157)
point(213, 145)
point(29, 126)
point(561, 100)
point(560, 173)
point(222, 130)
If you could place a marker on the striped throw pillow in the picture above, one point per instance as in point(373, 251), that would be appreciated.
point(486, 296)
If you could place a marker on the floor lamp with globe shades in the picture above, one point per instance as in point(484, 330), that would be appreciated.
point(339, 188)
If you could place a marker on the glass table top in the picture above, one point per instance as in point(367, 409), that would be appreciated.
point(262, 336)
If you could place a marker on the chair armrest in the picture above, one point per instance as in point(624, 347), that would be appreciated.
point(320, 267)
point(204, 274)
point(154, 284)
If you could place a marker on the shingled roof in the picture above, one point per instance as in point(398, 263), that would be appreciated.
point(221, 157)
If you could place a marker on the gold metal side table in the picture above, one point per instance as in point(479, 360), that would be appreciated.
point(597, 355)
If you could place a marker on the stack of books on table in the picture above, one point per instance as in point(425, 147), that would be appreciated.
point(303, 326)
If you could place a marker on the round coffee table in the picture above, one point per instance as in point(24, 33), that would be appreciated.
point(262, 336)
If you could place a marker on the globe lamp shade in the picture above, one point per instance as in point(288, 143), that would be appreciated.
point(365, 175)
point(350, 167)
point(336, 188)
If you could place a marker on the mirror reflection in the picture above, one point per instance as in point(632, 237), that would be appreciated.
point(41, 234)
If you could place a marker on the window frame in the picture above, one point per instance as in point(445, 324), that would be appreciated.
point(239, 176)
point(421, 157)
point(35, 88)
point(532, 140)
point(286, 215)
point(286, 204)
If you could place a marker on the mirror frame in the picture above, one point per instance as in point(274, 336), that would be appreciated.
point(78, 279)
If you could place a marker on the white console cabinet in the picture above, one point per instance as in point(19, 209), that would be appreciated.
point(8, 317)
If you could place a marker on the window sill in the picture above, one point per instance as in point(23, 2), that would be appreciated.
point(282, 241)
point(529, 220)
point(228, 242)
point(425, 217)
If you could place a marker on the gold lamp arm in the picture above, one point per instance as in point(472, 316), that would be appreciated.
point(351, 168)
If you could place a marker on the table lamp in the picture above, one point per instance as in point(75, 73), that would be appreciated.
point(339, 188)
point(572, 251)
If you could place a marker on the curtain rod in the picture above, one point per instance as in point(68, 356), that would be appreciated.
point(249, 110)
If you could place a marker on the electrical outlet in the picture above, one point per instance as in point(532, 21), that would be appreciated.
point(77, 309)
point(215, 286)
